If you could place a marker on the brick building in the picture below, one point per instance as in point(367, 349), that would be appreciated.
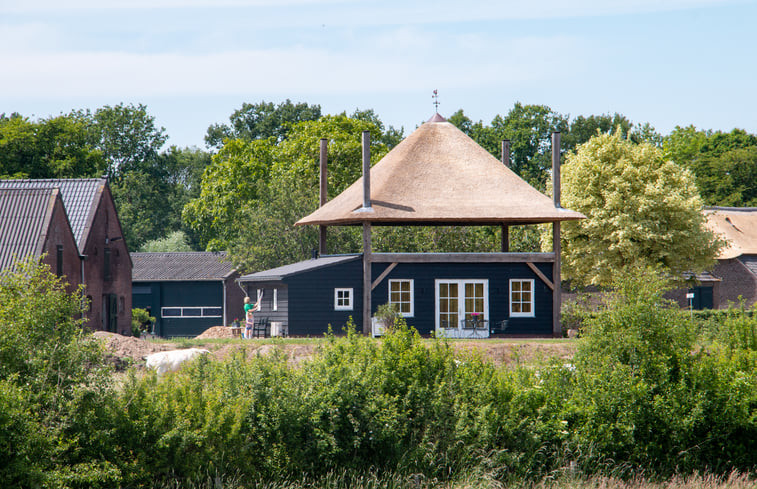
point(105, 266)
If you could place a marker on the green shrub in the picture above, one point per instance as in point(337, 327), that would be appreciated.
point(141, 321)
point(648, 395)
point(48, 363)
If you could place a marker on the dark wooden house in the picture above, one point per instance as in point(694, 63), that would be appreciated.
point(436, 176)
point(105, 268)
point(33, 223)
point(186, 292)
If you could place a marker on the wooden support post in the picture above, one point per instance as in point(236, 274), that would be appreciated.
point(556, 278)
point(505, 238)
point(323, 193)
point(367, 290)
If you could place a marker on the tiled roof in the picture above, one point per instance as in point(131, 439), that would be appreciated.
point(275, 274)
point(750, 261)
point(25, 216)
point(78, 194)
point(190, 265)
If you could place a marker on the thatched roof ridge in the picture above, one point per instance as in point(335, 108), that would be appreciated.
point(738, 225)
point(439, 175)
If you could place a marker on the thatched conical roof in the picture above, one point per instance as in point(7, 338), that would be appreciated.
point(436, 176)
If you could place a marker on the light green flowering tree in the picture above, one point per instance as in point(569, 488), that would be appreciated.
point(642, 211)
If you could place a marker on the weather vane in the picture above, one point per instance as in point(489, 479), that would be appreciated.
point(435, 96)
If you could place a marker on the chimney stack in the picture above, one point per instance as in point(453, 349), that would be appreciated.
point(366, 170)
point(506, 152)
point(556, 167)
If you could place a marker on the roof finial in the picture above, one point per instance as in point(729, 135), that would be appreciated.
point(435, 96)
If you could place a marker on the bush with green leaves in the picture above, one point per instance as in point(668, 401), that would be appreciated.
point(141, 321)
point(644, 393)
point(48, 366)
point(647, 394)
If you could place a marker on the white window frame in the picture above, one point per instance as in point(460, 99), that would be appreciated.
point(412, 295)
point(201, 316)
point(532, 302)
point(275, 303)
point(461, 298)
point(350, 296)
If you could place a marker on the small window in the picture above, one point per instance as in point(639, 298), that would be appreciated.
point(106, 265)
point(522, 298)
point(192, 312)
point(59, 261)
point(171, 312)
point(275, 304)
point(401, 294)
point(212, 312)
point(342, 299)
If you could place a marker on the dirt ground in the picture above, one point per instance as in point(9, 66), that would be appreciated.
point(126, 350)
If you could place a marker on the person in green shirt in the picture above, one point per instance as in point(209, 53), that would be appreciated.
point(249, 309)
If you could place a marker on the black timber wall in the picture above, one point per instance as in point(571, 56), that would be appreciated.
point(498, 276)
point(281, 313)
point(180, 294)
point(311, 298)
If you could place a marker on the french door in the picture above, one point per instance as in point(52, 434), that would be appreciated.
point(457, 300)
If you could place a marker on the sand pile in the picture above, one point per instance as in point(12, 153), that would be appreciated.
point(215, 332)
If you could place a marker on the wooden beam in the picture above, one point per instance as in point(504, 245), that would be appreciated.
point(556, 277)
point(505, 238)
point(541, 275)
point(557, 294)
point(367, 290)
point(323, 194)
point(383, 275)
point(462, 257)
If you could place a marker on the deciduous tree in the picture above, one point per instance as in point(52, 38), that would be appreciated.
point(642, 211)
point(261, 121)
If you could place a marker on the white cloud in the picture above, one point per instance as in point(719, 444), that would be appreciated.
point(285, 71)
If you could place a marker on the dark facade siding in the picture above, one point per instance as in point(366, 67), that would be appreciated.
point(234, 299)
point(281, 314)
point(157, 295)
point(498, 276)
point(310, 300)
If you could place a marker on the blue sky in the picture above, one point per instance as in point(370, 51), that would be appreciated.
point(193, 62)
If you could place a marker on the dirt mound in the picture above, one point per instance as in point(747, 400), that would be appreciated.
point(122, 350)
point(215, 332)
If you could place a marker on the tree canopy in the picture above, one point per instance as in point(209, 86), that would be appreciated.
point(255, 190)
point(725, 164)
point(642, 211)
point(55, 147)
point(529, 129)
point(261, 121)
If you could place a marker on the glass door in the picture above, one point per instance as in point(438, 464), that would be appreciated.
point(462, 307)
point(448, 315)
